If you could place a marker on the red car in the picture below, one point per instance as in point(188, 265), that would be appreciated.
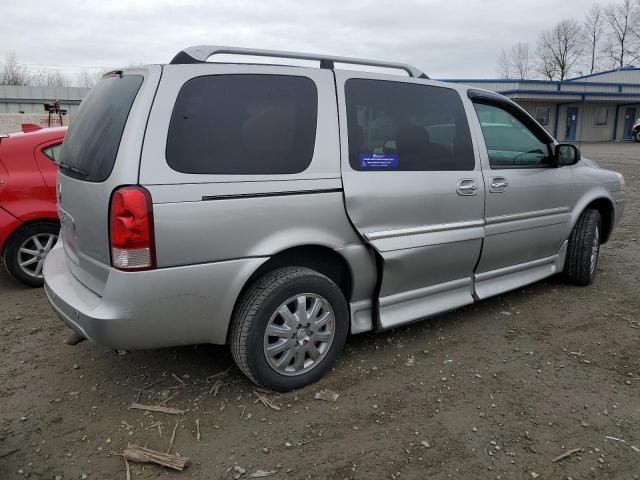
point(29, 223)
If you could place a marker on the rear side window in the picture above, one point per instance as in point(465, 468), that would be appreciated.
point(406, 126)
point(243, 125)
point(53, 152)
point(91, 144)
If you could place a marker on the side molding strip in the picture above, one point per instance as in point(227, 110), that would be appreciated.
point(270, 194)
point(526, 215)
point(442, 227)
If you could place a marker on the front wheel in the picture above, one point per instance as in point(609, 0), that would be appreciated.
point(289, 328)
point(583, 249)
point(636, 136)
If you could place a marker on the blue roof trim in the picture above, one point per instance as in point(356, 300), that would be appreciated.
point(545, 82)
point(495, 80)
point(623, 69)
point(570, 92)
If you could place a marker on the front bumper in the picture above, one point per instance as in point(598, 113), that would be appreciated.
point(149, 309)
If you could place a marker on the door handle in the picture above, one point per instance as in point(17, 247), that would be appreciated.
point(498, 185)
point(467, 187)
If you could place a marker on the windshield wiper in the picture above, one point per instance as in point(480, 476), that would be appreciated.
point(73, 169)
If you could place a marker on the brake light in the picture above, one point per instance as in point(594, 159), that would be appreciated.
point(131, 229)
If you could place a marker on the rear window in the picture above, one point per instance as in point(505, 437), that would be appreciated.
point(243, 125)
point(91, 144)
point(406, 126)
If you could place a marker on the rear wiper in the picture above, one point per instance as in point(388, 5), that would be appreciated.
point(73, 169)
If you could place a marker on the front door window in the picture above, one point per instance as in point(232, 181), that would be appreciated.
point(510, 143)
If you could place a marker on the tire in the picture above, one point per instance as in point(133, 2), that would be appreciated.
point(21, 242)
point(636, 136)
point(581, 263)
point(299, 335)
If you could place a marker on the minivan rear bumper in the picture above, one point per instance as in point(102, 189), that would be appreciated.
point(149, 309)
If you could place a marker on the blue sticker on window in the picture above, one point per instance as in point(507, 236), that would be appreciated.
point(378, 160)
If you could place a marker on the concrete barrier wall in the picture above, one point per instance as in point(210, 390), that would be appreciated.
point(12, 122)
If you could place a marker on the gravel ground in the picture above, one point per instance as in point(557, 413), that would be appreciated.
point(495, 390)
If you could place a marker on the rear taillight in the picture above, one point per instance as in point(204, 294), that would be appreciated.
point(131, 229)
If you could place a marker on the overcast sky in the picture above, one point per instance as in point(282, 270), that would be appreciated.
point(445, 38)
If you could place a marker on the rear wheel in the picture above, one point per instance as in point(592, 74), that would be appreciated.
point(583, 249)
point(26, 250)
point(636, 136)
point(289, 328)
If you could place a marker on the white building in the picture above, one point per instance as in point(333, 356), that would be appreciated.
point(593, 108)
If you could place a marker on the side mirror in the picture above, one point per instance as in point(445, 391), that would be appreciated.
point(566, 154)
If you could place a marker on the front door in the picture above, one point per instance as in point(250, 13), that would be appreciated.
point(528, 200)
point(629, 120)
point(572, 123)
point(413, 190)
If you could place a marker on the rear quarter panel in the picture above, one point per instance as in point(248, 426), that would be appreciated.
point(23, 192)
point(223, 229)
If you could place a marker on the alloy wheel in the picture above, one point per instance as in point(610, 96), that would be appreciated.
point(299, 334)
point(33, 251)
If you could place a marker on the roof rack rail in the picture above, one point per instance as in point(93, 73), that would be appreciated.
point(200, 54)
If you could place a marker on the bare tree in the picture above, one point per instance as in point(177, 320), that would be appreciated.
point(622, 20)
point(593, 29)
point(521, 60)
point(56, 78)
point(88, 79)
point(503, 67)
point(12, 72)
point(546, 65)
point(515, 62)
point(559, 49)
point(50, 78)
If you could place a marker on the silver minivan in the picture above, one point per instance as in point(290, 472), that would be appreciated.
point(280, 208)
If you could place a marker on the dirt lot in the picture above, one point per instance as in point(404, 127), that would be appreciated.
point(495, 390)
